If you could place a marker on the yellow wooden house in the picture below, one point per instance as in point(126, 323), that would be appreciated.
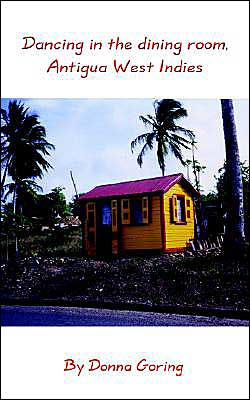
point(148, 215)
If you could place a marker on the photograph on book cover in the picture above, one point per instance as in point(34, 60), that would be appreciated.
point(124, 212)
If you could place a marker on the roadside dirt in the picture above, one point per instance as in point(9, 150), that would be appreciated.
point(177, 280)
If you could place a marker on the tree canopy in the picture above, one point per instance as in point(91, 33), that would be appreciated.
point(164, 130)
point(23, 146)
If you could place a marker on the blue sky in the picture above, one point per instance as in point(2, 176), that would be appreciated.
point(93, 136)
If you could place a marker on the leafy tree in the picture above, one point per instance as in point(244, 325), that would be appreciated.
point(224, 191)
point(197, 168)
point(51, 206)
point(42, 209)
point(12, 225)
point(37, 210)
point(163, 130)
point(234, 234)
point(75, 207)
point(58, 202)
point(210, 197)
point(26, 191)
point(220, 195)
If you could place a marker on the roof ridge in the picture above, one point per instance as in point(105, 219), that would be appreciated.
point(167, 187)
point(139, 180)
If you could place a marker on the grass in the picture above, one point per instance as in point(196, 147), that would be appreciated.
point(59, 242)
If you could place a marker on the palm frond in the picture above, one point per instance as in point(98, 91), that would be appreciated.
point(139, 140)
point(181, 141)
point(178, 113)
point(152, 119)
point(176, 150)
point(145, 148)
point(146, 121)
point(186, 132)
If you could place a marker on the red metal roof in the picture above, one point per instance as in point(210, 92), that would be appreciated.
point(160, 184)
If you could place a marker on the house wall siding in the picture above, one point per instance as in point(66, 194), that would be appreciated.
point(177, 236)
point(144, 237)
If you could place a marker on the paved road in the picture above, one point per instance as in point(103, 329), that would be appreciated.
point(76, 316)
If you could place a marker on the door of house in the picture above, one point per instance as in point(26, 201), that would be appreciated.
point(104, 229)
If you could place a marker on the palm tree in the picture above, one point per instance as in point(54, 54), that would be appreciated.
point(163, 129)
point(20, 190)
point(24, 143)
point(234, 234)
point(23, 148)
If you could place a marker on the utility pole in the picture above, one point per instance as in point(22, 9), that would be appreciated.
point(71, 174)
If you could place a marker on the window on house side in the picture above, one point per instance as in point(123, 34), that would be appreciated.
point(106, 214)
point(136, 212)
point(181, 209)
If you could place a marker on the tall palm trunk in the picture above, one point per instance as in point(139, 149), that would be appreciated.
point(234, 233)
point(160, 156)
point(188, 176)
point(4, 177)
point(197, 185)
point(198, 209)
point(15, 220)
